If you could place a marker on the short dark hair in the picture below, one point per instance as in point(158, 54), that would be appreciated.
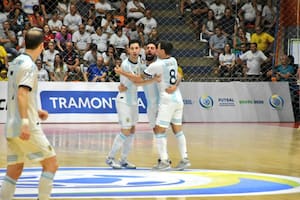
point(33, 38)
point(133, 42)
point(167, 46)
point(152, 42)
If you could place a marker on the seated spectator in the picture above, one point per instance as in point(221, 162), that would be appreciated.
point(108, 24)
point(219, 9)
point(292, 62)
point(55, 23)
point(62, 9)
point(3, 75)
point(89, 27)
point(227, 62)
point(228, 23)
point(110, 56)
point(148, 21)
point(27, 6)
point(81, 40)
point(3, 58)
point(254, 59)
point(135, 10)
point(90, 57)
point(282, 72)
point(269, 16)
point(36, 19)
point(70, 57)
point(59, 69)
point(112, 76)
point(42, 73)
point(240, 40)
point(62, 37)
point(119, 41)
point(48, 36)
point(47, 8)
point(17, 17)
point(208, 25)
point(72, 20)
point(136, 32)
point(199, 10)
point(240, 66)
point(100, 39)
point(217, 42)
point(183, 6)
point(97, 72)
point(250, 14)
point(102, 7)
point(76, 76)
point(263, 40)
point(153, 36)
point(8, 39)
point(83, 8)
point(49, 55)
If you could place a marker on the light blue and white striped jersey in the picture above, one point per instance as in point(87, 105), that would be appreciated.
point(21, 72)
point(168, 69)
point(130, 95)
point(151, 92)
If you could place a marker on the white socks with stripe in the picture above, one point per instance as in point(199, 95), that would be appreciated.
point(45, 185)
point(161, 144)
point(8, 188)
point(118, 143)
point(181, 144)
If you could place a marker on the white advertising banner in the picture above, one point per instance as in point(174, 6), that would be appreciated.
point(76, 102)
point(237, 102)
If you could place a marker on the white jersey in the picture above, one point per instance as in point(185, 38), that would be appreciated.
point(151, 92)
point(130, 95)
point(22, 72)
point(167, 68)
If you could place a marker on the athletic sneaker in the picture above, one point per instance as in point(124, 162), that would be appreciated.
point(183, 164)
point(127, 165)
point(112, 163)
point(162, 165)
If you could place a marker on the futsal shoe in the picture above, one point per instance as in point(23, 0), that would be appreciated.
point(163, 165)
point(183, 164)
point(127, 165)
point(112, 163)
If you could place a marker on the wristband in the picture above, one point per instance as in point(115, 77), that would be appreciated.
point(25, 121)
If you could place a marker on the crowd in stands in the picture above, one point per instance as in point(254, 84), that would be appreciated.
point(85, 39)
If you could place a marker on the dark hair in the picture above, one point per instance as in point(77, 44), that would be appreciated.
point(33, 38)
point(152, 42)
point(167, 46)
point(133, 42)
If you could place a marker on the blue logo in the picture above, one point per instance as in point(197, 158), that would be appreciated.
point(84, 102)
point(206, 102)
point(276, 102)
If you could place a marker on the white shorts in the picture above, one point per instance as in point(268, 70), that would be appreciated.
point(128, 114)
point(37, 148)
point(169, 113)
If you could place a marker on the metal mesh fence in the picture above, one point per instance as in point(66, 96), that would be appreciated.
point(189, 26)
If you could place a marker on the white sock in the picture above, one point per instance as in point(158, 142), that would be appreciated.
point(45, 185)
point(8, 188)
point(161, 144)
point(181, 144)
point(118, 143)
point(127, 146)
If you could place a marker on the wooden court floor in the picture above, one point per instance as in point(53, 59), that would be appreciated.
point(271, 148)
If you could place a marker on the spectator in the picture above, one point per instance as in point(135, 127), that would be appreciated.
point(263, 40)
point(62, 37)
point(83, 8)
point(17, 17)
point(102, 7)
point(8, 39)
point(283, 72)
point(36, 19)
point(119, 41)
point(112, 76)
point(136, 32)
point(62, 8)
point(292, 62)
point(3, 58)
point(47, 8)
point(55, 23)
point(100, 39)
point(217, 42)
point(3, 75)
point(227, 62)
point(240, 39)
point(228, 23)
point(269, 16)
point(70, 57)
point(219, 9)
point(72, 20)
point(183, 6)
point(208, 25)
point(148, 21)
point(48, 35)
point(250, 14)
point(108, 24)
point(42, 73)
point(89, 27)
point(199, 11)
point(90, 57)
point(59, 69)
point(135, 10)
point(154, 36)
point(49, 56)
point(81, 40)
point(27, 6)
point(110, 56)
point(254, 59)
point(240, 66)
point(97, 72)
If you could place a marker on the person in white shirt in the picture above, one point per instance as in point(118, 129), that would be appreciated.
point(119, 41)
point(102, 7)
point(250, 13)
point(135, 10)
point(219, 9)
point(43, 74)
point(49, 56)
point(72, 20)
point(81, 40)
point(148, 21)
point(55, 23)
point(100, 39)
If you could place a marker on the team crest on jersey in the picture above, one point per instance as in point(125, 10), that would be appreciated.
point(89, 182)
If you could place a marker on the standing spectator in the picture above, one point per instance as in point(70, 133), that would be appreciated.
point(62, 37)
point(250, 14)
point(148, 21)
point(8, 39)
point(269, 16)
point(42, 73)
point(100, 39)
point(49, 56)
point(97, 72)
point(48, 35)
point(282, 72)
point(36, 19)
point(219, 9)
point(217, 42)
point(254, 59)
point(135, 10)
point(199, 11)
point(17, 17)
point(59, 69)
point(55, 23)
point(72, 20)
point(81, 40)
point(119, 41)
point(48, 7)
point(263, 40)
